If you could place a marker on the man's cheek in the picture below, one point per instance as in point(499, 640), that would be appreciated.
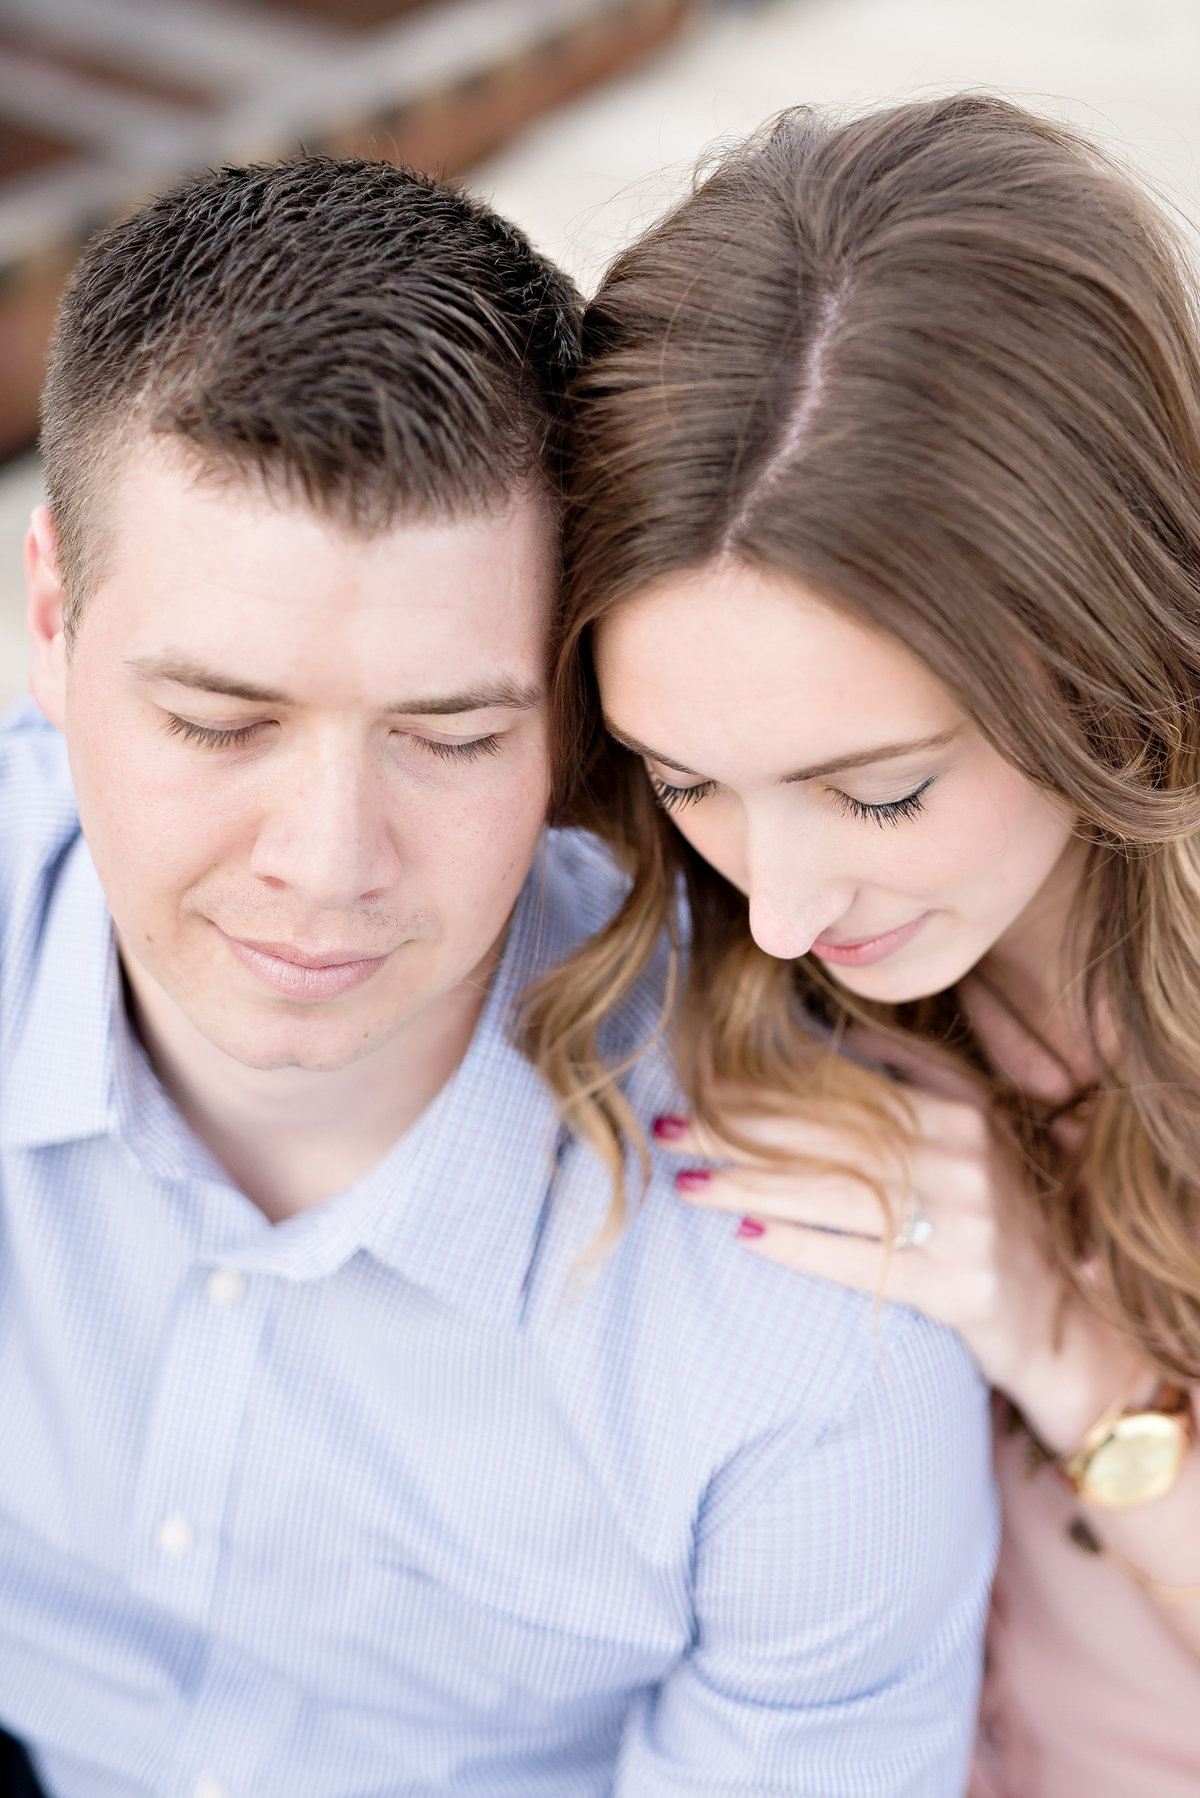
point(490, 825)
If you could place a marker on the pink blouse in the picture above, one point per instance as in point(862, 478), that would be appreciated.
point(1087, 1694)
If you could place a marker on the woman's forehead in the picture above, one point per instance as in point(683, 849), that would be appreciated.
point(714, 661)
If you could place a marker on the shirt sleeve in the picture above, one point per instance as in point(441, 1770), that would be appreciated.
point(840, 1597)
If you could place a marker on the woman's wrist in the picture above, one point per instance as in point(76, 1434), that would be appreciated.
point(1159, 1540)
point(1064, 1388)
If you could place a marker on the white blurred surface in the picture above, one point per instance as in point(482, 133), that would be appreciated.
point(1128, 71)
point(585, 178)
point(20, 492)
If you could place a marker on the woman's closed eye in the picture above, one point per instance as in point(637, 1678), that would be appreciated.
point(674, 799)
point(887, 811)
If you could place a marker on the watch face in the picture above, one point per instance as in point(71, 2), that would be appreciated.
point(1138, 1461)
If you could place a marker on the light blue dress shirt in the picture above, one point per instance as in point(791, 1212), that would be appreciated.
point(390, 1498)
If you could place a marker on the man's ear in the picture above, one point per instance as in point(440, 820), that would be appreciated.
point(45, 610)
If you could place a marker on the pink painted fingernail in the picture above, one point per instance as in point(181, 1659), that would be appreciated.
point(692, 1179)
point(750, 1226)
point(670, 1127)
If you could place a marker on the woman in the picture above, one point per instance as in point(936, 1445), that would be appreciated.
point(884, 549)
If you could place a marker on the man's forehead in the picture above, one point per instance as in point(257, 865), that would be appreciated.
point(211, 566)
point(159, 476)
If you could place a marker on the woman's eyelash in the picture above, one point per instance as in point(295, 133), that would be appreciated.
point(674, 799)
point(891, 811)
point(210, 737)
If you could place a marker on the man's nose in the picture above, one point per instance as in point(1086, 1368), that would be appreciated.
point(793, 896)
point(325, 833)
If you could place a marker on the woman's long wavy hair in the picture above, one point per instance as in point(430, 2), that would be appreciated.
point(938, 364)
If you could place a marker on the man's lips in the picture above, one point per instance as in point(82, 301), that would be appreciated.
point(300, 974)
point(867, 949)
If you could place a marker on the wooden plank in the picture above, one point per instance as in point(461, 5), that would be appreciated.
point(41, 93)
point(26, 149)
point(355, 13)
point(111, 71)
point(223, 45)
point(452, 126)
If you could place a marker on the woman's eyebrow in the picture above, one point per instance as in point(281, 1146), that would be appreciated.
point(863, 758)
point(883, 752)
point(653, 755)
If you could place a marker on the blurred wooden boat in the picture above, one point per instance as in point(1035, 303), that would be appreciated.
point(105, 101)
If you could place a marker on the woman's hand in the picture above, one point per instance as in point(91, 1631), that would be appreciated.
point(980, 1268)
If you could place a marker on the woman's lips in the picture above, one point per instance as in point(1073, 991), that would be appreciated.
point(302, 976)
point(867, 949)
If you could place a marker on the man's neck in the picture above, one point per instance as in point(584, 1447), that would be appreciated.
point(290, 1137)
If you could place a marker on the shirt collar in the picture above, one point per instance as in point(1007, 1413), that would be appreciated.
point(458, 1206)
point(466, 1219)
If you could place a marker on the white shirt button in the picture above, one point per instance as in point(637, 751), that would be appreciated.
point(175, 1536)
point(209, 1788)
point(225, 1286)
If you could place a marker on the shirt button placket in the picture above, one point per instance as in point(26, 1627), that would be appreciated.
point(204, 1378)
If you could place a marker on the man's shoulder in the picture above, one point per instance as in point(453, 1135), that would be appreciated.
point(769, 1349)
point(738, 1363)
point(38, 823)
point(37, 803)
point(578, 884)
point(738, 1347)
point(576, 888)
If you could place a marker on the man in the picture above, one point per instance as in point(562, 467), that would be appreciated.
point(323, 1472)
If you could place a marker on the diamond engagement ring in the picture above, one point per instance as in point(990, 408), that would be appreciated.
point(916, 1229)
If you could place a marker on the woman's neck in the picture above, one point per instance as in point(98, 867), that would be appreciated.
point(1034, 974)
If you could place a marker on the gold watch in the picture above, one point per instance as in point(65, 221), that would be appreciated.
point(1133, 1457)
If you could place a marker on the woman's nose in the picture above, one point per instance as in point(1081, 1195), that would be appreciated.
point(790, 930)
point(793, 899)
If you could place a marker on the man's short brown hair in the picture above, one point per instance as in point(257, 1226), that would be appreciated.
point(358, 335)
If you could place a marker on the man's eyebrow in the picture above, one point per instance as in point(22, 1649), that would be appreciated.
point(512, 695)
point(205, 680)
point(862, 758)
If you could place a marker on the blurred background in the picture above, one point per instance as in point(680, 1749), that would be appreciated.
point(579, 118)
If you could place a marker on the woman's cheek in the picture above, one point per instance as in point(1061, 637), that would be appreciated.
point(717, 836)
